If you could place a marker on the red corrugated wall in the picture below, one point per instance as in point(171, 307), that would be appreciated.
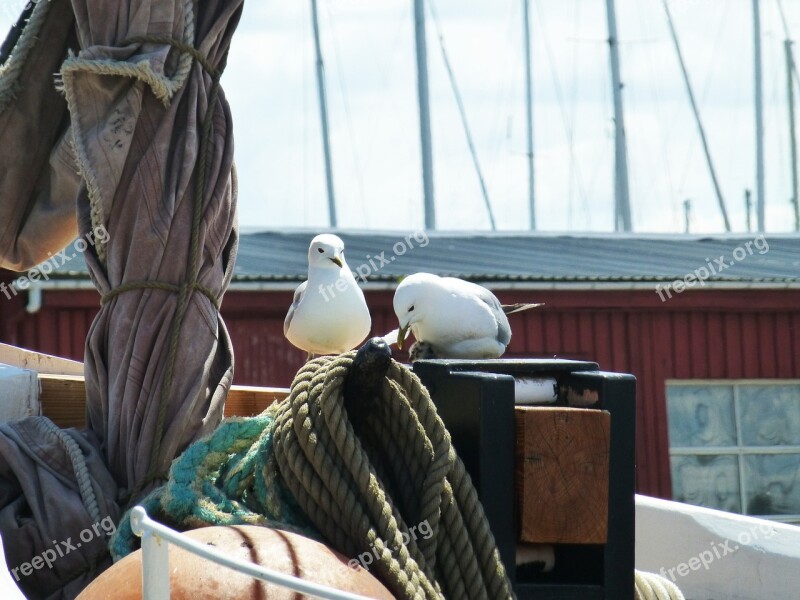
point(720, 334)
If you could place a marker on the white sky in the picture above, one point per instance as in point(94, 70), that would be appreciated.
point(369, 53)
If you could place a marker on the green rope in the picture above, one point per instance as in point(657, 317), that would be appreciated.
point(302, 465)
point(227, 478)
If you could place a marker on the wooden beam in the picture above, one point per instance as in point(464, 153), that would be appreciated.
point(36, 361)
point(247, 401)
point(562, 469)
point(63, 399)
point(561, 458)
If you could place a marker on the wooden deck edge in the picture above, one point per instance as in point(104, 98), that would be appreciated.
point(554, 444)
point(63, 399)
point(39, 362)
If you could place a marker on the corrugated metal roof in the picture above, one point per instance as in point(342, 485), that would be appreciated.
point(272, 256)
point(532, 257)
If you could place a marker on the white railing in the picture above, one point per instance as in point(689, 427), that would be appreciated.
point(155, 562)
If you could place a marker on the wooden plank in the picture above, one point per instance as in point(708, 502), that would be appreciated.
point(63, 399)
point(246, 401)
point(562, 466)
point(36, 361)
point(562, 472)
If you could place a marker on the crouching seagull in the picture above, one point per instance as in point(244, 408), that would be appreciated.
point(452, 318)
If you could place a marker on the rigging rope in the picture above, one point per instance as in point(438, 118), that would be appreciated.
point(463, 114)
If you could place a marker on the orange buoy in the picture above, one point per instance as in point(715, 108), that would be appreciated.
point(195, 578)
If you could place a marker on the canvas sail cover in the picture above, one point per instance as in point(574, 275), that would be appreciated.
point(135, 151)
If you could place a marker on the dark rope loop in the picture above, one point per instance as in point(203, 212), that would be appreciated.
point(193, 262)
point(159, 285)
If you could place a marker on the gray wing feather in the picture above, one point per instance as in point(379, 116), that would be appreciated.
point(503, 328)
point(503, 331)
point(298, 297)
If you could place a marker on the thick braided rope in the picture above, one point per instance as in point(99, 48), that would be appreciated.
point(334, 480)
point(651, 586)
point(334, 500)
point(79, 467)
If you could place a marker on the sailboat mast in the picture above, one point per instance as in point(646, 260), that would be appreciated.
point(529, 111)
point(424, 114)
point(787, 45)
point(696, 111)
point(760, 200)
point(622, 212)
point(323, 110)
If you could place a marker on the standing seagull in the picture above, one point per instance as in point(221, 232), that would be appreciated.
point(328, 314)
point(452, 318)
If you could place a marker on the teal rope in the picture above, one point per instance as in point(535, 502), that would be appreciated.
point(227, 478)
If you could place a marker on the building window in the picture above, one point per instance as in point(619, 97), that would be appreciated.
point(735, 446)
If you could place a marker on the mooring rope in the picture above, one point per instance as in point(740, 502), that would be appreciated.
point(651, 586)
point(369, 493)
point(344, 489)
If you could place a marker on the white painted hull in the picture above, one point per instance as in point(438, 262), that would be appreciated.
point(714, 555)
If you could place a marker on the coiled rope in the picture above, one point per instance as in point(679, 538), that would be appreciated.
point(370, 483)
point(650, 586)
point(366, 495)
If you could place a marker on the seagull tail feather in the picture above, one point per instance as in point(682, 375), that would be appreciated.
point(510, 309)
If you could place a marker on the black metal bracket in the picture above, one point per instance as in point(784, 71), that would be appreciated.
point(476, 402)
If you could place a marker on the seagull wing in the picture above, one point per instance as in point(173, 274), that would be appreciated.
point(298, 298)
point(488, 298)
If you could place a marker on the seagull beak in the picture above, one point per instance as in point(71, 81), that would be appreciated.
point(337, 261)
point(401, 336)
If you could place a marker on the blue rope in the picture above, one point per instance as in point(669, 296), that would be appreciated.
point(227, 478)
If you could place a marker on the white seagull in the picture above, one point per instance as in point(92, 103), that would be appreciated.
point(328, 314)
point(452, 318)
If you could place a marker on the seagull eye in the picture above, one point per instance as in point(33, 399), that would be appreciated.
point(411, 308)
point(320, 250)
